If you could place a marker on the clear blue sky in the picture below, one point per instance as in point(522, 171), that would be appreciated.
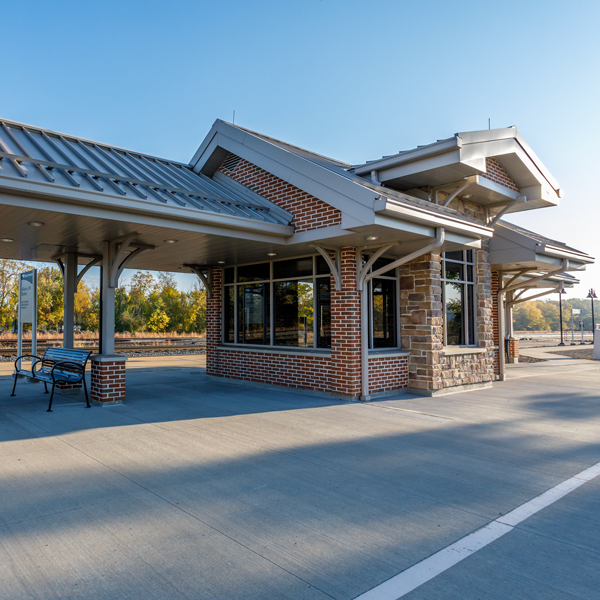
point(354, 80)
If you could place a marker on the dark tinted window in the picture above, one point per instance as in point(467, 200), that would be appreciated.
point(300, 267)
point(322, 266)
point(253, 314)
point(253, 272)
point(384, 313)
point(294, 313)
point(323, 314)
point(229, 273)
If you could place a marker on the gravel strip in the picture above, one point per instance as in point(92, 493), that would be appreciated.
point(530, 359)
point(585, 353)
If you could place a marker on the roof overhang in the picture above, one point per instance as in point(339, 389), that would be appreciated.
point(464, 155)
point(513, 250)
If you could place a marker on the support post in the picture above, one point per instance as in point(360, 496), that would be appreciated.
point(107, 331)
point(69, 290)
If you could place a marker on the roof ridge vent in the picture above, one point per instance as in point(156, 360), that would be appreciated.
point(231, 162)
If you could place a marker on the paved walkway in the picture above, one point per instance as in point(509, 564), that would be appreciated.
point(200, 489)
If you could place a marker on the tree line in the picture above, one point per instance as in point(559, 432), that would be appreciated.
point(544, 315)
point(147, 303)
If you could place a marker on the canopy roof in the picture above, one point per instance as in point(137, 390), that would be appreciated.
point(31, 157)
point(514, 248)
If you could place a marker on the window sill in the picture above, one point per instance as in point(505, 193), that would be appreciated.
point(388, 353)
point(457, 350)
point(321, 353)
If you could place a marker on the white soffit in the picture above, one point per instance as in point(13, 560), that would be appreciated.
point(464, 155)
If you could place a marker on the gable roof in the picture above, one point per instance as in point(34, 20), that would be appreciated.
point(464, 155)
point(325, 178)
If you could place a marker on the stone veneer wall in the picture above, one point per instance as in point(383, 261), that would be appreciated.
point(432, 368)
point(421, 321)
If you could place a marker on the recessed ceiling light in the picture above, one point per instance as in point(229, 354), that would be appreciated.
point(6, 240)
point(36, 223)
point(170, 241)
point(221, 262)
point(271, 253)
point(372, 238)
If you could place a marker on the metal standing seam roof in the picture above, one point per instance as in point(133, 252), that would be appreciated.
point(540, 238)
point(31, 154)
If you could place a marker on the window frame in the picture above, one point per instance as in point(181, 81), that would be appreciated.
point(392, 275)
point(316, 278)
point(469, 313)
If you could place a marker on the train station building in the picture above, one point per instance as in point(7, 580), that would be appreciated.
point(350, 280)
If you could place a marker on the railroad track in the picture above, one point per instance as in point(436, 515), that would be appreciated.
point(136, 348)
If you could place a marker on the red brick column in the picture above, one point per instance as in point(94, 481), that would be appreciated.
point(108, 379)
point(345, 330)
point(213, 322)
point(513, 350)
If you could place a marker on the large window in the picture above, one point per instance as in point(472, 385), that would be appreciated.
point(383, 307)
point(280, 303)
point(458, 286)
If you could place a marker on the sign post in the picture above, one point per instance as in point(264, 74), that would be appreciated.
point(27, 309)
point(574, 311)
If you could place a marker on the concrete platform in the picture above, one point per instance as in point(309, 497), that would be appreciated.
point(200, 489)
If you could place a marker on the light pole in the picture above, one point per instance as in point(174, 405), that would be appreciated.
point(561, 291)
point(592, 296)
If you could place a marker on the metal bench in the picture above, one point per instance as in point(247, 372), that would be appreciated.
point(57, 365)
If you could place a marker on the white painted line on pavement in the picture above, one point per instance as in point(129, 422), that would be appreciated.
point(422, 572)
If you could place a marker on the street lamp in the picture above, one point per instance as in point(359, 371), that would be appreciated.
point(561, 291)
point(592, 296)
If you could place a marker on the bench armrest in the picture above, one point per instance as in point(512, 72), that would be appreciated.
point(71, 365)
point(33, 362)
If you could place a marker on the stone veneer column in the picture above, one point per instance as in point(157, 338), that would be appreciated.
point(108, 379)
point(495, 286)
point(345, 330)
point(486, 302)
point(421, 321)
point(213, 322)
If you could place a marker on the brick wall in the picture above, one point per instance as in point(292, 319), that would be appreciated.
point(388, 373)
point(213, 322)
point(289, 370)
point(309, 212)
point(345, 329)
point(495, 171)
point(337, 372)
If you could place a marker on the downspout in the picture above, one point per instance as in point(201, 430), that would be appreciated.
point(501, 294)
point(364, 278)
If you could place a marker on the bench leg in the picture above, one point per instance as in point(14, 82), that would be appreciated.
point(86, 392)
point(51, 396)
point(45, 387)
point(15, 384)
